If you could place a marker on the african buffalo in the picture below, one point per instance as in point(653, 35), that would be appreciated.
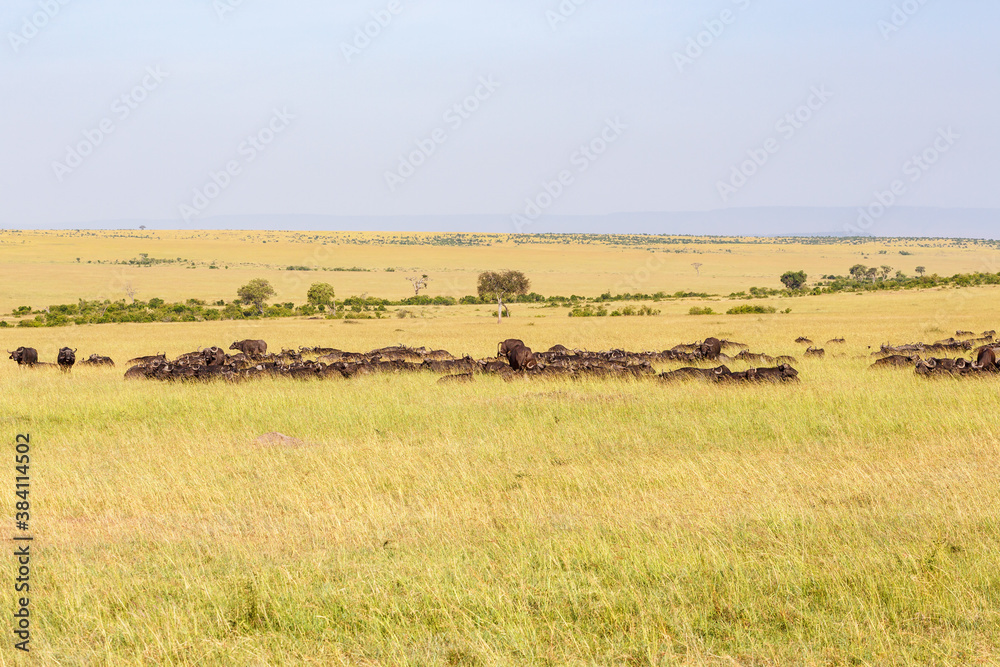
point(816, 352)
point(803, 340)
point(987, 358)
point(25, 356)
point(97, 360)
point(710, 348)
point(252, 348)
point(66, 358)
point(147, 360)
point(506, 346)
point(213, 356)
point(690, 373)
point(521, 358)
point(896, 360)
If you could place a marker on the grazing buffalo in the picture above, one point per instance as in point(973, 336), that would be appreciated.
point(836, 341)
point(803, 340)
point(66, 358)
point(521, 358)
point(964, 333)
point(504, 348)
point(97, 360)
point(213, 356)
point(710, 348)
point(816, 352)
point(691, 373)
point(254, 349)
point(25, 356)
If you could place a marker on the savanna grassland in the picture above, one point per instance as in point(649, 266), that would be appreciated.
point(848, 519)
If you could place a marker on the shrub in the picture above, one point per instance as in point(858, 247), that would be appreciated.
point(748, 309)
point(695, 310)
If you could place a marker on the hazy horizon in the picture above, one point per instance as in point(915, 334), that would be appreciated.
point(535, 112)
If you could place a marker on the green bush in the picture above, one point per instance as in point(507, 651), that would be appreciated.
point(748, 309)
point(695, 310)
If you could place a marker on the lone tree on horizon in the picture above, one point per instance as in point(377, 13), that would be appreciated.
point(419, 283)
point(794, 279)
point(257, 292)
point(500, 286)
point(920, 270)
point(697, 268)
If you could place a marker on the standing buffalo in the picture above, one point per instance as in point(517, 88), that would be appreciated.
point(521, 358)
point(504, 348)
point(254, 349)
point(25, 356)
point(213, 356)
point(710, 348)
point(66, 358)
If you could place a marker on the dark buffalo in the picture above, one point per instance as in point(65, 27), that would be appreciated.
point(213, 356)
point(25, 356)
point(690, 373)
point(97, 360)
point(943, 366)
point(710, 348)
point(987, 358)
point(66, 358)
point(896, 360)
point(252, 348)
point(521, 358)
point(803, 340)
point(816, 352)
point(836, 341)
point(782, 373)
point(504, 348)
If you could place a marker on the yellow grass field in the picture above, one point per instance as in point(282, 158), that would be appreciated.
point(848, 519)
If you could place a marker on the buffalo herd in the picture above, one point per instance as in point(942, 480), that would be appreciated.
point(251, 358)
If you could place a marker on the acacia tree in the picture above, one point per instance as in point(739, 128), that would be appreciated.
point(920, 271)
point(502, 285)
point(321, 294)
point(794, 279)
point(257, 292)
point(697, 267)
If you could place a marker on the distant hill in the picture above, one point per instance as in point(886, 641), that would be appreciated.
point(766, 221)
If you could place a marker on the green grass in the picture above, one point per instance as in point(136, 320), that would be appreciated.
point(493, 523)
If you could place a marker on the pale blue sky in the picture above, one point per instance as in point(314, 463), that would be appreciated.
point(559, 84)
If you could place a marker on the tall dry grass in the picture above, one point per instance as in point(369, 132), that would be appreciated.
point(848, 519)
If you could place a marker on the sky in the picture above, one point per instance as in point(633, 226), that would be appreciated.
point(186, 110)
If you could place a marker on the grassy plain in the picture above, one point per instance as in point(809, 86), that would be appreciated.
point(846, 520)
